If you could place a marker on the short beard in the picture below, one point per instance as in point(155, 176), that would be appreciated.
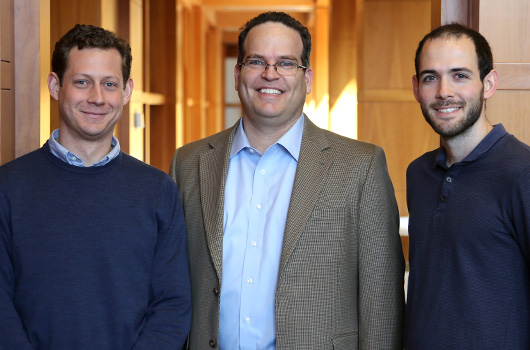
point(470, 118)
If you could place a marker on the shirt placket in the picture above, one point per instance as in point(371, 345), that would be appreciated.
point(253, 252)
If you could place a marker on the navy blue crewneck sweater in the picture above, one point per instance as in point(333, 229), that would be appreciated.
point(91, 258)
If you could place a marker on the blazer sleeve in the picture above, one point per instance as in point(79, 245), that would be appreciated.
point(381, 263)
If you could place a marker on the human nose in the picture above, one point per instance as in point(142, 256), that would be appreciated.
point(445, 89)
point(270, 73)
point(96, 95)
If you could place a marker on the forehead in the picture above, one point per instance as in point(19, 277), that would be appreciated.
point(273, 38)
point(448, 52)
point(92, 61)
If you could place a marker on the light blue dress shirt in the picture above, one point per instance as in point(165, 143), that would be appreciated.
point(68, 157)
point(258, 191)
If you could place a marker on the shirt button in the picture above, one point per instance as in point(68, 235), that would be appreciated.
point(251, 150)
point(442, 199)
point(249, 281)
point(448, 179)
point(212, 343)
point(216, 292)
point(258, 206)
point(254, 243)
point(262, 171)
point(247, 319)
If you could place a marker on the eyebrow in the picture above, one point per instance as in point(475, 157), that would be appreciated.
point(253, 56)
point(453, 70)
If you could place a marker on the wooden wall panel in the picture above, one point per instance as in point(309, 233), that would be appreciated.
point(389, 116)
point(136, 106)
point(160, 78)
point(392, 32)
point(505, 24)
point(7, 126)
point(7, 117)
point(398, 127)
point(6, 30)
point(346, 26)
point(31, 26)
point(194, 75)
point(214, 72)
point(511, 109)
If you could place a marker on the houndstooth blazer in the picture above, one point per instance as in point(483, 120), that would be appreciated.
point(340, 282)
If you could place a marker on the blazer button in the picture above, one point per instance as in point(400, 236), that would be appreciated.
point(212, 343)
point(216, 292)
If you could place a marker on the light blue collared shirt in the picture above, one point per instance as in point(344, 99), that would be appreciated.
point(258, 191)
point(68, 157)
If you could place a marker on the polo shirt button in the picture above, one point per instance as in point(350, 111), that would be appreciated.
point(212, 343)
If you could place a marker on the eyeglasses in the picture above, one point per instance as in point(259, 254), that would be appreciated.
point(282, 67)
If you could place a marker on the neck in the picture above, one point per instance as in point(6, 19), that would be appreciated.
point(89, 151)
point(263, 135)
point(460, 146)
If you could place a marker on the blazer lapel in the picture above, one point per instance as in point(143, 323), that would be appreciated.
point(213, 169)
point(313, 165)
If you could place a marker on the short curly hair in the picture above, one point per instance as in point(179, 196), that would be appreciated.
point(90, 37)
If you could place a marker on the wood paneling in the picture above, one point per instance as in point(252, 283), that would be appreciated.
point(194, 76)
point(30, 92)
point(161, 62)
point(6, 30)
point(7, 126)
point(320, 65)
point(510, 107)
point(505, 25)
point(214, 73)
point(398, 127)
point(450, 11)
point(389, 116)
point(346, 26)
point(513, 76)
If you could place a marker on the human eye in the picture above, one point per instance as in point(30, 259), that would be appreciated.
point(110, 85)
point(256, 63)
point(287, 65)
point(461, 76)
point(428, 78)
point(80, 83)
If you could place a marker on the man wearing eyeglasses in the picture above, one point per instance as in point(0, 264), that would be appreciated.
point(292, 230)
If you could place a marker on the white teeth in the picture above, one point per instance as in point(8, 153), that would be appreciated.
point(447, 110)
point(270, 91)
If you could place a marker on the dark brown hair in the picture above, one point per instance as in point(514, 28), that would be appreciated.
point(279, 17)
point(455, 30)
point(90, 37)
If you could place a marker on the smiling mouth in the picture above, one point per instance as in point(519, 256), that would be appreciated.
point(270, 91)
point(448, 110)
point(94, 113)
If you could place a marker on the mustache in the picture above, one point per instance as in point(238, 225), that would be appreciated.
point(447, 103)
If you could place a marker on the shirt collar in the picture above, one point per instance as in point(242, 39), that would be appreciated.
point(487, 142)
point(68, 157)
point(291, 140)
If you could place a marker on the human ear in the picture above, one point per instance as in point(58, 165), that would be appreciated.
point(490, 83)
point(54, 85)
